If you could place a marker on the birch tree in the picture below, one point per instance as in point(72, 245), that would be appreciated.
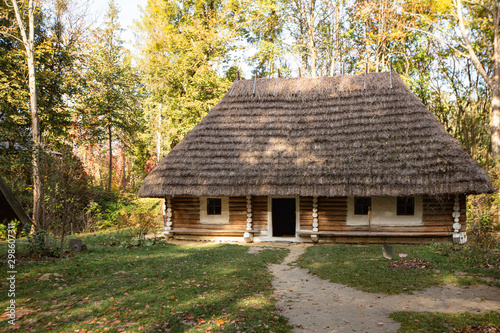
point(28, 40)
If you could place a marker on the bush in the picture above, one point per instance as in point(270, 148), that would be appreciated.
point(470, 254)
point(41, 245)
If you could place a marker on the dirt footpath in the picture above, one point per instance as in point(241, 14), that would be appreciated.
point(316, 305)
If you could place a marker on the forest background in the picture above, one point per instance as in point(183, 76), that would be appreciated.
point(107, 116)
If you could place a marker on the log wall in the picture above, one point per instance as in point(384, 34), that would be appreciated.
point(332, 215)
point(186, 214)
point(259, 213)
point(438, 212)
point(306, 218)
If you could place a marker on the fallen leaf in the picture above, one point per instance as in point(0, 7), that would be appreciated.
point(220, 322)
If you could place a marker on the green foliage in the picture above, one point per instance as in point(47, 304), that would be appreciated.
point(483, 218)
point(359, 262)
point(442, 322)
point(264, 27)
point(161, 288)
point(186, 46)
point(115, 210)
point(66, 192)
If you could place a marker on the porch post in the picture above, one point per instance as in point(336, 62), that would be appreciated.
point(168, 224)
point(247, 236)
point(458, 237)
point(315, 238)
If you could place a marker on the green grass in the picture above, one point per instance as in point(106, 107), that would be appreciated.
point(160, 288)
point(442, 322)
point(363, 267)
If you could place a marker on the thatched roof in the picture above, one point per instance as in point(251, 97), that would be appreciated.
point(330, 136)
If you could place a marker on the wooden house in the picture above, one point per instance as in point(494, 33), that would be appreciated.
point(342, 159)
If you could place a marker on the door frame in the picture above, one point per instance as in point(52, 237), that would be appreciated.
point(270, 216)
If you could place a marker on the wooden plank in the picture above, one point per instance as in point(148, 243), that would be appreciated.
point(15, 204)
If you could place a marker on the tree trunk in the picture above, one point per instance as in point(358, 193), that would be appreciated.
point(158, 143)
point(335, 54)
point(35, 128)
point(311, 30)
point(124, 178)
point(495, 124)
point(110, 158)
point(314, 55)
point(495, 89)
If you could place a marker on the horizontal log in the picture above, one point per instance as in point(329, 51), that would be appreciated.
point(202, 226)
point(383, 240)
point(186, 215)
point(211, 232)
point(185, 202)
point(185, 207)
point(368, 234)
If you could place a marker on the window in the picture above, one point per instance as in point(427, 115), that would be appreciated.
point(214, 206)
point(406, 205)
point(362, 205)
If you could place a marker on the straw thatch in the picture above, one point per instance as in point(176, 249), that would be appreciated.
point(330, 136)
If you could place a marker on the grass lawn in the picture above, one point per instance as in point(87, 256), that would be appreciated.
point(159, 288)
point(363, 267)
point(442, 322)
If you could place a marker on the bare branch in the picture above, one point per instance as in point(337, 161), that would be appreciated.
point(438, 38)
point(480, 5)
point(20, 23)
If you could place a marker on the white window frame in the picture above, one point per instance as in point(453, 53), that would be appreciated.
point(223, 218)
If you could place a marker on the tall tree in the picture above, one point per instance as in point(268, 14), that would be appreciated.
point(264, 31)
point(484, 19)
point(186, 48)
point(109, 106)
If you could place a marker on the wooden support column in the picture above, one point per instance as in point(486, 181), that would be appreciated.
point(168, 224)
point(458, 236)
point(315, 238)
point(248, 236)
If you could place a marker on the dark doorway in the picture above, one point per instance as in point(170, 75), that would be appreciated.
point(283, 217)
